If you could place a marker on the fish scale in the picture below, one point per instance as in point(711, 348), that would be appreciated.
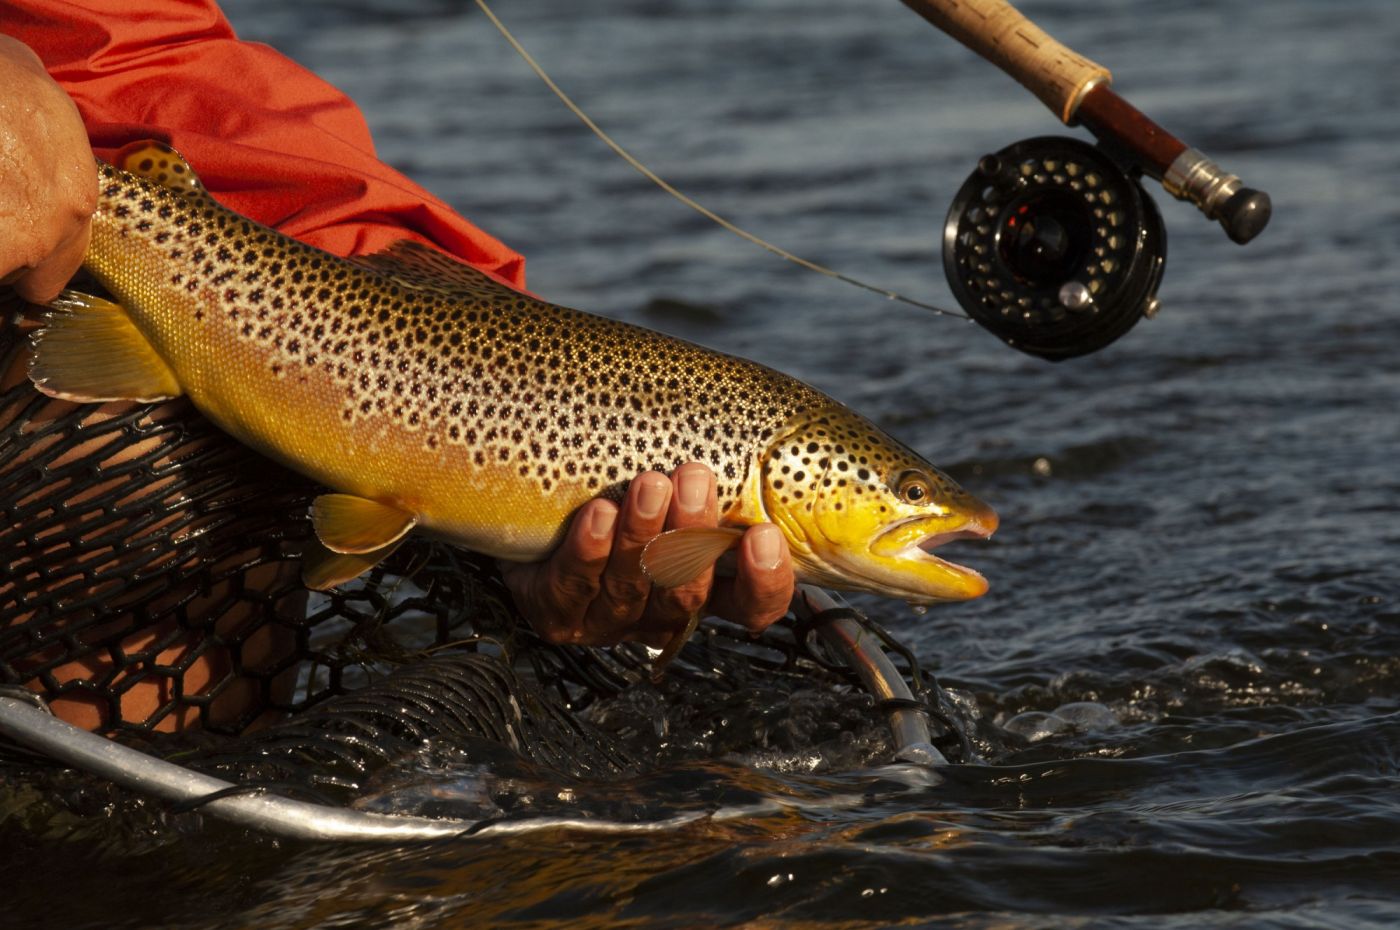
point(432, 391)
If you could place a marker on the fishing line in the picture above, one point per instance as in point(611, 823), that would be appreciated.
point(683, 198)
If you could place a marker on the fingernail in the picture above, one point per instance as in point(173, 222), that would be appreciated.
point(693, 489)
point(600, 522)
point(766, 546)
point(651, 496)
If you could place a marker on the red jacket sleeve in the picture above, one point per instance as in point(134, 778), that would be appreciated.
point(268, 138)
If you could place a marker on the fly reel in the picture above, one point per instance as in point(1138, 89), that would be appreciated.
point(1052, 246)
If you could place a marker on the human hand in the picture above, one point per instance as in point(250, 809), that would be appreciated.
point(592, 591)
point(48, 182)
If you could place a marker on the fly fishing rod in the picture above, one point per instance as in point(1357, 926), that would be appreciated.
point(1051, 243)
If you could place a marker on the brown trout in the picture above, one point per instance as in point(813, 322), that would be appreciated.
point(430, 397)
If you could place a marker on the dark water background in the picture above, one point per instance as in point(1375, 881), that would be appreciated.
point(1197, 560)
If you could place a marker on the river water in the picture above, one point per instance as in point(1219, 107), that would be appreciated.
point(1188, 663)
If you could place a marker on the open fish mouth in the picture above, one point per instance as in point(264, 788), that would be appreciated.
point(911, 542)
point(924, 548)
point(904, 538)
point(899, 562)
point(978, 528)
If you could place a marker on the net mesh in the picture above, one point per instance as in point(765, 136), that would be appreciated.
point(150, 582)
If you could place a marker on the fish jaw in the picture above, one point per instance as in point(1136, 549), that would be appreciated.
point(898, 562)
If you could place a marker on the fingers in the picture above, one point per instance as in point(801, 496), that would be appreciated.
point(44, 282)
point(48, 181)
point(624, 586)
point(48, 185)
point(762, 588)
point(554, 595)
point(593, 590)
point(692, 504)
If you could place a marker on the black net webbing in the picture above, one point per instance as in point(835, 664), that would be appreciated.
point(150, 573)
point(150, 582)
point(455, 699)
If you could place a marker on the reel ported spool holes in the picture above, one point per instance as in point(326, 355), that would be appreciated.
point(1054, 248)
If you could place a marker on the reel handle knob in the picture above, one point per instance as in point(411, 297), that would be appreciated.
point(1245, 215)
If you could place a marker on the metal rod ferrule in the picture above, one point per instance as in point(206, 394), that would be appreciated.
point(1198, 179)
point(1242, 211)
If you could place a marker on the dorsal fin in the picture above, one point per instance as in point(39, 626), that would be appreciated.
point(158, 162)
point(424, 268)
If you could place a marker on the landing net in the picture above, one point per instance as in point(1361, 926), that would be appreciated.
point(150, 581)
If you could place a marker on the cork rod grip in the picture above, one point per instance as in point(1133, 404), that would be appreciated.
point(999, 33)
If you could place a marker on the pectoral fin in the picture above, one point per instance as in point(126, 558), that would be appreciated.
point(322, 569)
point(89, 350)
point(353, 525)
point(677, 556)
point(673, 648)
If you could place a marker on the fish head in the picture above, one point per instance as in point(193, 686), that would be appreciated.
point(861, 511)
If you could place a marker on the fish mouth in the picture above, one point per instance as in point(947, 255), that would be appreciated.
point(933, 539)
point(927, 532)
point(909, 544)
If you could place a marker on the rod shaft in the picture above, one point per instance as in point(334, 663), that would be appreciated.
point(1112, 118)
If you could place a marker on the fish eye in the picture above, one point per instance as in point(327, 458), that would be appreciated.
point(913, 488)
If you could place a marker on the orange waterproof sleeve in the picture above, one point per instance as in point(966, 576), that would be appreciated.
point(268, 138)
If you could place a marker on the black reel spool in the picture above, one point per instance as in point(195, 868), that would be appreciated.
point(1054, 247)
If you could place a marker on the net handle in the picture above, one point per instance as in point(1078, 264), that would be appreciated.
point(1000, 33)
